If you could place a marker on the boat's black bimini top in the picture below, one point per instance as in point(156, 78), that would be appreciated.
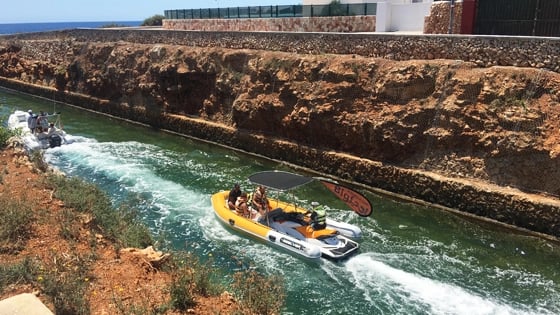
point(279, 180)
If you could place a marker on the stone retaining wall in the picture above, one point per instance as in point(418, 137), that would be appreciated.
point(360, 23)
point(484, 51)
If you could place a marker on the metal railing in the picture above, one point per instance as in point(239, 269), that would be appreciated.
point(275, 11)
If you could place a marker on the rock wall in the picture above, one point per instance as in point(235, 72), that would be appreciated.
point(444, 131)
point(483, 51)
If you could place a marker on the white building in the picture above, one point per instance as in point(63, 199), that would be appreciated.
point(392, 15)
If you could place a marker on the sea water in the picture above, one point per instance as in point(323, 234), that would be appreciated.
point(413, 259)
point(13, 28)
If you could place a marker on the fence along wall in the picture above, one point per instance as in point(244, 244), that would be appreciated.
point(284, 18)
point(275, 11)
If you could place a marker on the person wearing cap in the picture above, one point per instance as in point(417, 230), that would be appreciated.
point(318, 216)
point(233, 194)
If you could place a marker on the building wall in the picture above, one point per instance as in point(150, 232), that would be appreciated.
point(393, 17)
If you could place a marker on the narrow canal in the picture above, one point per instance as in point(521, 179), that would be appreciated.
point(413, 259)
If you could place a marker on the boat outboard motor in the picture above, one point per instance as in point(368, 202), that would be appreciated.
point(55, 141)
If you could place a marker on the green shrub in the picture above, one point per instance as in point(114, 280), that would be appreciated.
point(134, 232)
point(78, 194)
point(15, 225)
point(180, 291)
point(22, 272)
point(205, 277)
point(68, 229)
point(122, 226)
point(156, 20)
point(65, 282)
point(335, 8)
point(38, 159)
point(6, 134)
point(258, 294)
point(190, 275)
point(130, 309)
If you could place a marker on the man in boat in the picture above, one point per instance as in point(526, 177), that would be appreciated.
point(52, 129)
point(318, 216)
point(233, 194)
point(31, 121)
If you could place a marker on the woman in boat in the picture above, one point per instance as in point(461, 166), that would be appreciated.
point(260, 201)
point(241, 205)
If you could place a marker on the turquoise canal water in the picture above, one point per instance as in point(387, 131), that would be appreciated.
point(413, 259)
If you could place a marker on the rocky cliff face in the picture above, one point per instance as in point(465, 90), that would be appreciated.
point(494, 125)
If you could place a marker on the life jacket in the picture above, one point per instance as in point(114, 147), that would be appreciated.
point(239, 203)
point(260, 200)
point(250, 200)
point(320, 219)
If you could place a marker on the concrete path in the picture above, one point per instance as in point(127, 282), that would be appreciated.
point(23, 304)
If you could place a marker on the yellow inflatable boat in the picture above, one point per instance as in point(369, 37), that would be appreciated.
point(288, 226)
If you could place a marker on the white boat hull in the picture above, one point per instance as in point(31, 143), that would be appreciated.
point(289, 235)
point(18, 121)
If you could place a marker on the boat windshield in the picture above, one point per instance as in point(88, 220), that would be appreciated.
point(22, 118)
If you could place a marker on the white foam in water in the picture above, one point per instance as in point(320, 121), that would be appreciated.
point(124, 163)
point(378, 278)
point(130, 164)
point(214, 230)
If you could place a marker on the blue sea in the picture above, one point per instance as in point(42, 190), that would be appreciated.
point(14, 28)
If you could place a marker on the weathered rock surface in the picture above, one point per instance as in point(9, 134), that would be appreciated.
point(444, 131)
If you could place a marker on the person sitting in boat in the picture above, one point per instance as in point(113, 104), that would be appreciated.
point(241, 205)
point(42, 122)
point(31, 121)
point(233, 194)
point(260, 201)
point(52, 129)
point(318, 216)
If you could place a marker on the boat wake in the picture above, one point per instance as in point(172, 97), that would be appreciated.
point(403, 290)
